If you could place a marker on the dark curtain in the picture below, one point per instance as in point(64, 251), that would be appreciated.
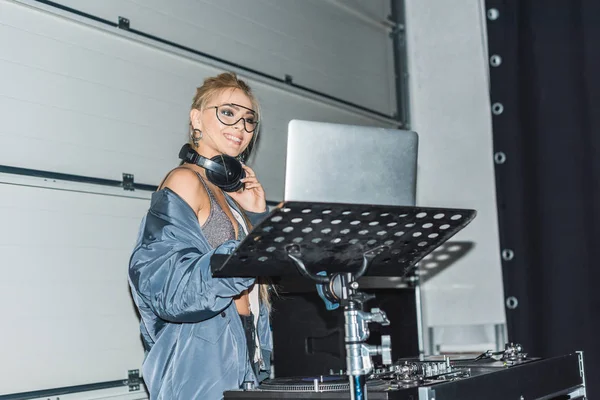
point(545, 91)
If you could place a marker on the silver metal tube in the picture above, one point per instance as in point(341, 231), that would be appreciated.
point(419, 306)
point(358, 387)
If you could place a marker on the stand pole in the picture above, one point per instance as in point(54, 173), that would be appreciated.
point(358, 387)
point(420, 321)
point(357, 380)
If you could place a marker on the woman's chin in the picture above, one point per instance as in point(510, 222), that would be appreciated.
point(232, 153)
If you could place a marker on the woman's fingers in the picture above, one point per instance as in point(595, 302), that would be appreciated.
point(249, 171)
point(248, 186)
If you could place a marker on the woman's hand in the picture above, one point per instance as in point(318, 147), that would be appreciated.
point(252, 196)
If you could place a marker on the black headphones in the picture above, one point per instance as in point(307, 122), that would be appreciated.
point(223, 171)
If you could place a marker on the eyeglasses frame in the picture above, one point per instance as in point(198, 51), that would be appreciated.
point(242, 118)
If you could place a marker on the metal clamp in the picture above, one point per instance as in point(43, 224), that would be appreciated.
point(379, 316)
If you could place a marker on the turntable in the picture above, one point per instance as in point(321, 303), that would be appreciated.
point(452, 379)
point(334, 245)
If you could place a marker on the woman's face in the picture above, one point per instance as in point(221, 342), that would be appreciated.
point(225, 122)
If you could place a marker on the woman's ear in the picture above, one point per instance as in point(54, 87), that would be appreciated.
point(195, 118)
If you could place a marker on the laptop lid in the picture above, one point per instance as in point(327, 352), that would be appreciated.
point(339, 163)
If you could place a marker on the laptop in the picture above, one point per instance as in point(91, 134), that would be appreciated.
point(336, 163)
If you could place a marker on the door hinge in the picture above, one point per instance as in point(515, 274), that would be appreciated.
point(128, 182)
point(133, 379)
point(123, 23)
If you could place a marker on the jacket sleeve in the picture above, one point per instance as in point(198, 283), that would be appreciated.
point(265, 337)
point(175, 280)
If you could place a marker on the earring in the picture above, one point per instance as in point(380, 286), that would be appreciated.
point(196, 136)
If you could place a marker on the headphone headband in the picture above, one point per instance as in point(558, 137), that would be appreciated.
point(223, 171)
point(189, 155)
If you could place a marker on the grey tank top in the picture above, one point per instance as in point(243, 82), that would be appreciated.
point(218, 228)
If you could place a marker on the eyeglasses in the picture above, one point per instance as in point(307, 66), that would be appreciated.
point(230, 114)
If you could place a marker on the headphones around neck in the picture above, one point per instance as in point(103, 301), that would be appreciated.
point(223, 171)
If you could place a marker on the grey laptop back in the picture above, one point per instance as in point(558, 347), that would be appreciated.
point(338, 163)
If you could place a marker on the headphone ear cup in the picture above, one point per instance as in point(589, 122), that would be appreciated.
point(230, 181)
point(234, 187)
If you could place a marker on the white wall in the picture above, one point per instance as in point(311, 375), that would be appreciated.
point(83, 98)
point(450, 109)
point(329, 46)
point(99, 93)
point(69, 318)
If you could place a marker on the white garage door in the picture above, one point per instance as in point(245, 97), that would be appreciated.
point(88, 99)
point(83, 98)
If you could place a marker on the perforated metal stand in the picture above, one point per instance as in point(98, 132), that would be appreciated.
point(333, 245)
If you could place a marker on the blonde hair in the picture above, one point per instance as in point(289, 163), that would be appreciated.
point(211, 87)
point(214, 85)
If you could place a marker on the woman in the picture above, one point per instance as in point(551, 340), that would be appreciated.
point(203, 335)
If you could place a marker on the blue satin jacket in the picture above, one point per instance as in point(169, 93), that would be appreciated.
point(194, 339)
